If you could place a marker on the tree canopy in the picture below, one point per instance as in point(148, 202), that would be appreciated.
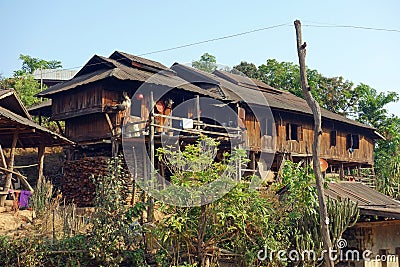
point(207, 63)
point(30, 64)
point(24, 83)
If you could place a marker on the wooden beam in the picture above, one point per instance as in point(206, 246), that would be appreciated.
point(60, 128)
point(41, 150)
point(110, 125)
point(23, 179)
point(3, 159)
point(377, 223)
point(10, 167)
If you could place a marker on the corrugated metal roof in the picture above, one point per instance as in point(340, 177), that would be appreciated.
point(10, 101)
point(118, 55)
point(232, 86)
point(54, 74)
point(107, 67)
point(288, 101)
point(37, 134)
point(370, 201)
point(43, 108)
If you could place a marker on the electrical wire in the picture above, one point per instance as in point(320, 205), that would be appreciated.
point(313, 24)
point(351, 27)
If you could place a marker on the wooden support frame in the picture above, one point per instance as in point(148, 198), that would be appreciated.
point(10, 167)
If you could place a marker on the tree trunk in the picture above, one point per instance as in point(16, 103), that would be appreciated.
point(316, 110)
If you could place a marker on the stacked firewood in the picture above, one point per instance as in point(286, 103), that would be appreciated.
point(77, 185)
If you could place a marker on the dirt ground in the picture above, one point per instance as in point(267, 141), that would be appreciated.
point(16, 222)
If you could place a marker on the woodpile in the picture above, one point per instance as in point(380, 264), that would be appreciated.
point(77, 186)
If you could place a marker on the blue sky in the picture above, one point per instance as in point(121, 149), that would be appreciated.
point(73, 31)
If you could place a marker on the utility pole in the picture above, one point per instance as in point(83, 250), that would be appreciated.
point(316, 110)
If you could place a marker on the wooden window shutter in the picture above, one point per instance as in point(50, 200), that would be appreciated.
point(300, 133)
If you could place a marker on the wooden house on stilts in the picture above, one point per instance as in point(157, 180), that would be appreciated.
point(182, 102)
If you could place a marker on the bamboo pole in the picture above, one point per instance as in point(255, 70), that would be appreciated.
point(10, 167)
point(21, 177)
point(316, 110)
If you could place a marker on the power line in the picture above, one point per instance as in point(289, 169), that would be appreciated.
point(314, 24)
point(351, 27)
point(188, 45)
point(216, 39)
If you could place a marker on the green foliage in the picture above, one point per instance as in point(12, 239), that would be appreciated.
point(372, 111)
point(207, 63)
point(25, 86)
point(371, 105)
point(111, 233)
point(241, 222)
point(24, 83)
point(30, 64)
point(334, 94)
point(299, 196)
point(33, 251)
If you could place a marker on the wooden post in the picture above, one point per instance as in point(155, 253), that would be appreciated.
point(10, 167)
point(341, 172)
point(316, 110)
point(150, 210)
point(198, 110)
point(41, 150)
point(60, 128)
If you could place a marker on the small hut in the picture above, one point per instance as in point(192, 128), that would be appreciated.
point(18, 130)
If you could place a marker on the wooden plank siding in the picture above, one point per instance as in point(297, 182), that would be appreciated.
point(78, 103)
point(329, 151)
point(89, 127)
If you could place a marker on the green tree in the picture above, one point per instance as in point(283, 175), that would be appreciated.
point(24, 83)
point(371, 105)
point(207, 62)
point(335, 94)
point(30, 64)
point(242, 221)
point(25, 86)
point(371, 109)
point(249, 69)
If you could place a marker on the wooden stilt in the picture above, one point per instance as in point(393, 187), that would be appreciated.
point(10, 168)
point(341, 172)
point(359, 174)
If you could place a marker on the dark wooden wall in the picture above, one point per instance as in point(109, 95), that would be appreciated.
point(89, 127)
point(77, 103)
point(338, 152)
